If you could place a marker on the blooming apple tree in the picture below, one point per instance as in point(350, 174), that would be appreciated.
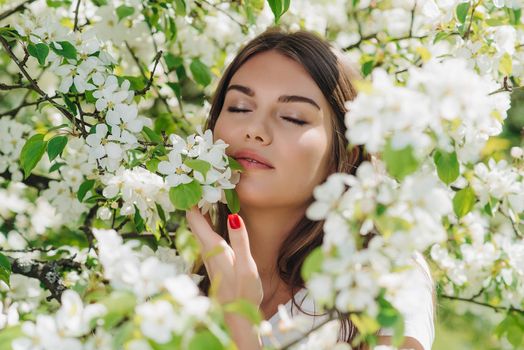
point(102, 150)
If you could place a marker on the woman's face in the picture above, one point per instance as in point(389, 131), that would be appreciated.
point(275, 113)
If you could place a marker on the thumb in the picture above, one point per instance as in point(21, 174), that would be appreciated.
point(239, 238)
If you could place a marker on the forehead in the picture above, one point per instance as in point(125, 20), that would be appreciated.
point(271, 72)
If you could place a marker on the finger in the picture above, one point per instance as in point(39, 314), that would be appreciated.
point(201, 228)
point(239, 239)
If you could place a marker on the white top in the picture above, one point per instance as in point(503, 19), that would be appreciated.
point(417, 310)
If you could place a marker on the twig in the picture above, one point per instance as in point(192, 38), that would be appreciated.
point(75, 27)
point(16, 9)
point(33, 83)
point(496, 308)
point(28, 250)
point(412, 21)
point(137, 61)
point(40, 182)
point(242, 25)
point(14, 87)
point(150, 81)
point(86, 228)
point(468, 31)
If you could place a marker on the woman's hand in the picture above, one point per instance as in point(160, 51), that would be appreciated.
point(231, 267)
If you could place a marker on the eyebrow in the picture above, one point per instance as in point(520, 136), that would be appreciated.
point(284, 98)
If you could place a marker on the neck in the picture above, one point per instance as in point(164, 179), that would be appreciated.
point(267, 229)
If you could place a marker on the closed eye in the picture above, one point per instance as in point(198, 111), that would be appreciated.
point(238, 110)
point(294, 121)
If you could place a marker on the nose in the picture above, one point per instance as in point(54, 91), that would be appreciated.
point(256, 130)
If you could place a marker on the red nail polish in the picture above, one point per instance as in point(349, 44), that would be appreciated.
point(234, 221)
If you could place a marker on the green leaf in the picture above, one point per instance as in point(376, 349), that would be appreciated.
point(278, 7)
point(56, 146)
point(99, 3)
point(9, 33)
point(176, 89)
point(447, 166)
point(185, 196)
point(463, 201)
point(440, 36)
point(119, 305)
point(205, 340)
point(138, 221)
point(199, 165)
point(200, 72)
point(70, 105)
point(367, 67)
point(514, 16)
point(233, 164)
point(152, 135)
point(56, 166)
point(164, 122)
point(390, 317)
point(312, 264)
point(400, 163)
point(124, 11)
point(462, 12)
point(39, 51)
point(233, 203)
point(5, 269)
point(32, 152)
point(246, 309)
point(180, 7)
point(67, 50)
point(8, 334)
point(171, 29)
point(173, 61)
point(84, 188)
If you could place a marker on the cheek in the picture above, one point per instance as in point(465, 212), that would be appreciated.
point(310, 156)
point(222, 130)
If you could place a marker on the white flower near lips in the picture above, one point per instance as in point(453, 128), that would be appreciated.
point(175, 170)
point(157, 320)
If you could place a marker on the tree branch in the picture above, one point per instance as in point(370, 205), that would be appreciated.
point(75, 27)
point(40, 182)
point(47, 272)
point(20, 7)
point(151, 76)
point(34, 84)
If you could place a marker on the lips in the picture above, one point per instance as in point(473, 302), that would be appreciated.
point(251, 157)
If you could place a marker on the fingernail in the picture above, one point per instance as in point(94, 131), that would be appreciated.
point(234, 221)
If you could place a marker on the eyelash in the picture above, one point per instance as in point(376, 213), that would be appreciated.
point(292, 120)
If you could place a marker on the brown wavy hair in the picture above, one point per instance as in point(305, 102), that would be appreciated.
point(334, 78)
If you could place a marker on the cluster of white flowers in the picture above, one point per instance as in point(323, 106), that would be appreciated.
point(13, 135)
point(148, 274)
point(502, 182)
point(216, 175)
point(61, 330)
point(62, 194)
point(408, 218)
point(138, 188)
point(445, 99)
